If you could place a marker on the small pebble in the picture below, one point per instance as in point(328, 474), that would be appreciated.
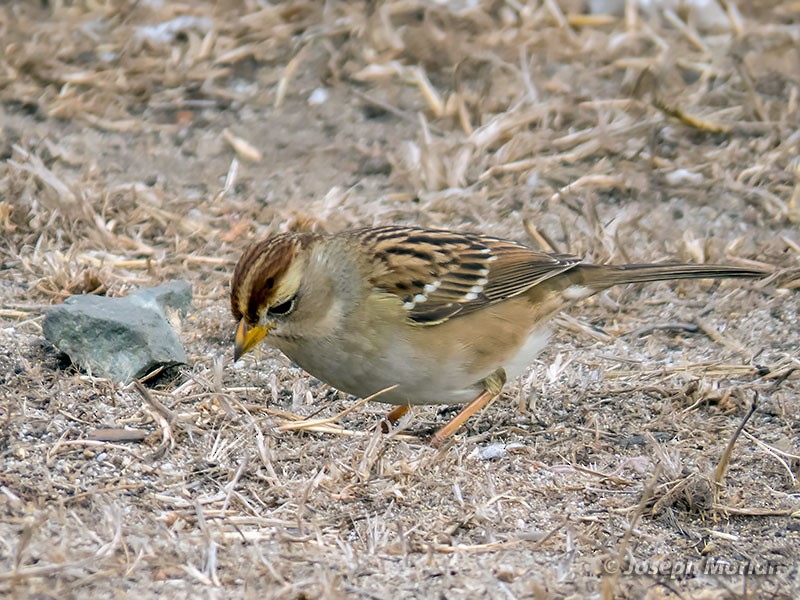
point(679, 176)
point(496, 450)
point(319, 96)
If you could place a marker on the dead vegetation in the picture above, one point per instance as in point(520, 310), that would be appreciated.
point(144, 141)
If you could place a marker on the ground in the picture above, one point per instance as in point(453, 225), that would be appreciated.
point(149, 141)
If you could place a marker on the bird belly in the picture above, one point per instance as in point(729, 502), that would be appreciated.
point(432, 365)
point(396, 374)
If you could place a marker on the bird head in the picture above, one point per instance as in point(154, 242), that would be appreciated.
point(265, 288)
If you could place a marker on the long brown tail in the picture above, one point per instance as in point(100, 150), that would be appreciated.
point(599, 277)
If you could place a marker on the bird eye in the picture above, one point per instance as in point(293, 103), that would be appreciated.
point(284, 308)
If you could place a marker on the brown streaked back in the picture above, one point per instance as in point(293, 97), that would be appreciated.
point(440, 274)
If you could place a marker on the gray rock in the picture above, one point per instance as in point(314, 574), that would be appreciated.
point(175, 295)
point(121, 338)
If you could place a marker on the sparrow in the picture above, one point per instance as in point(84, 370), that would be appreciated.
point(418, 316)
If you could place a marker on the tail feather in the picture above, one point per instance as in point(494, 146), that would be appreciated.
point(599, 277)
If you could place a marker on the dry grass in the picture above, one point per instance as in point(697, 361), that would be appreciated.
point(150, 140)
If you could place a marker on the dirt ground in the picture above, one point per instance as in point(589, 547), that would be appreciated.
point(153, 140)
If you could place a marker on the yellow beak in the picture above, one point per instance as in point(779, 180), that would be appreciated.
point(246, 338)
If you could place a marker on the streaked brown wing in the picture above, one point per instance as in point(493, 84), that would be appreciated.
point(440, 274)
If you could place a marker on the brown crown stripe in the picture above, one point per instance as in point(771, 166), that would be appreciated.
point(259, 269)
